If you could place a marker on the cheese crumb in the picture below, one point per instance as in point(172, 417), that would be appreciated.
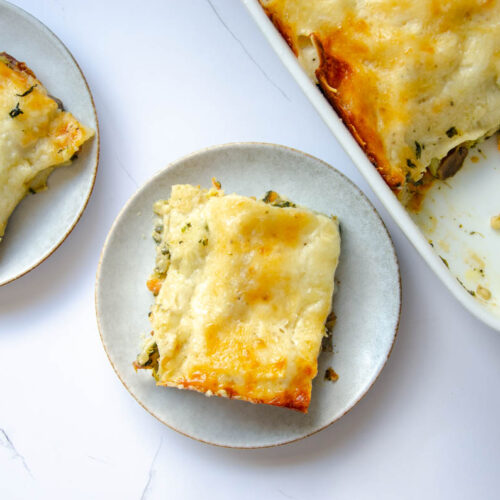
point(495, 222)
point(484, 293)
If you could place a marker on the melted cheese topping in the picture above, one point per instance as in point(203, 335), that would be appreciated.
point(35, 136)
point(411, 79)
point(244, 296)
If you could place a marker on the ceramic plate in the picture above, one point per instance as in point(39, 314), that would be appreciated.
point(45, 219)
point(366, 302)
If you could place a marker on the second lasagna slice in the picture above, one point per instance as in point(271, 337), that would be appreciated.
point(243, 289)
point(36, 135)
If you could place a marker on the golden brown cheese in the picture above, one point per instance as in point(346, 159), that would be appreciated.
point(243, 289)
point(412, 80)
point(35, 135)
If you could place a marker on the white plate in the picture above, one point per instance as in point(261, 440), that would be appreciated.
point(470, 200)
point(41, 222)
point(367, 300)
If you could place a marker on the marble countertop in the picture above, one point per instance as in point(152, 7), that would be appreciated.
point(169, 78)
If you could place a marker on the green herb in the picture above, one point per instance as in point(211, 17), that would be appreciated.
point(418, 150)
point(472, 233)
point(451, 132)
point(284, 204)
point(187, 226)
point(152, 361)
point(204, 242)
point(466, 289)
point(15, 112)
point(27, 92)
point(410, 163)
point(445, 261)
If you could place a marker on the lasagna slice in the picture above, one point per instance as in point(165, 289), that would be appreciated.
point(416, 82)
point(243, 289)
point(36, 135)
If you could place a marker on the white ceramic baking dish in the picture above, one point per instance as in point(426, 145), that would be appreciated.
point(452, 232)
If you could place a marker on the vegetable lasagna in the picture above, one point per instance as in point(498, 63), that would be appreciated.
point(416, 82)
point(243, 289)
point(36, 135)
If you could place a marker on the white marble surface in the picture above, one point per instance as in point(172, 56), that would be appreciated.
point(169, 77)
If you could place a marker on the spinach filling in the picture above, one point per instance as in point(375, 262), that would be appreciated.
point(148, 358)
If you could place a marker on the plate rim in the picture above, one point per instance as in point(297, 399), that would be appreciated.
point(95, 165)
point(201, 152)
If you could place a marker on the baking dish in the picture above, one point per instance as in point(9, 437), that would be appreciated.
point(452, 231)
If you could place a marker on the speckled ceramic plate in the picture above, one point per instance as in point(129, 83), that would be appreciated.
point(367, 299)
point(41, 222)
